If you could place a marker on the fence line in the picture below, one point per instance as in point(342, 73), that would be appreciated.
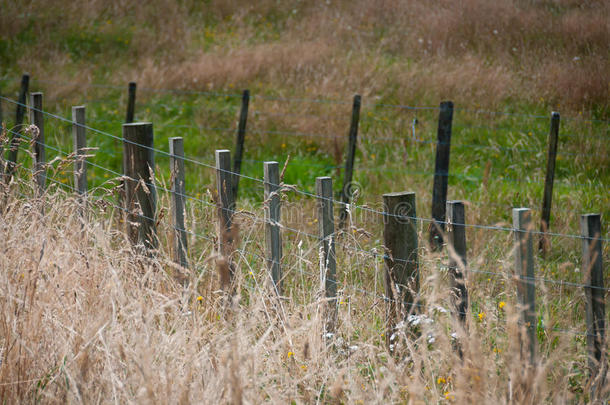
point(352, 206)
point(366, 292)
point(362, 290)
point(261, 220)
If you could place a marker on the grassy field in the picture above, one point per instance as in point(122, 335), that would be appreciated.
point(86, 319)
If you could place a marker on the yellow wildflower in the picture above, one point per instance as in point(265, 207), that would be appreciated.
point(501, 304)
point(440, 380)
point(481, 316)
point(290, 354)
point(200, 298)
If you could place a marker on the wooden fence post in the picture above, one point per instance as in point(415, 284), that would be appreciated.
point(545, 243)
point(37, 118)
point(590, 228)
point(347, 190)
point(239, 142)
point(23, 92)
point(131, 103)
point(11, 160)
point(326, 235)
point(176, 164)
point(401, 277)
point(456, 235)
point(526, 286)
point(226, 210)
point(441, 174)
point(273, 236)
point(79, 140)
point(140, 193)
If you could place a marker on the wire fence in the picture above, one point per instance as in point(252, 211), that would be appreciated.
point(297, 191)
point(344, 287)
point(371, 253)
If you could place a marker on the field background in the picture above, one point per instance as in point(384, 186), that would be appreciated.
point(506, 66)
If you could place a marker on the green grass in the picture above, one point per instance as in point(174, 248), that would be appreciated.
point(510, 148)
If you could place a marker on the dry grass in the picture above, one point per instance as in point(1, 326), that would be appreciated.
point(85, 318)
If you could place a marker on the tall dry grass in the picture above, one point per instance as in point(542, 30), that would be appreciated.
point(86, 318)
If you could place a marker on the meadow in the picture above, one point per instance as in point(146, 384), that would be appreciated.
point(86, 318)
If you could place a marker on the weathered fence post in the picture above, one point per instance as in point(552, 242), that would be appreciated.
point(23, 92)
point(401, 277)
point(456, 235)
point(526, 286)
point(129, 118)
point(239, 142)
point(131, 103)
point(140, 193)
point(37, 118)
point(176, 164)
point(326, 235)
point(441, 174)
point(347, 190)
point(590, 228)
point(545, 243)
point(79, 140)
point(273, 237)
point(11, 160)
point(226, 209)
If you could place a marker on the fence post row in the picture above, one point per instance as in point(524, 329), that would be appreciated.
point(545, 243)
point(11, 160)
point(131, 103)
point(37, 118)
point(79, 140)
point(401, 276)
point(590, 227)
point(273, 238)
point(226, 209)
point(456, 235)
point(176, 164)
point(526, 286)
point(140, 193)
point(441, 174)
point(239, 142)
point(347, 190)
point(326, 235)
